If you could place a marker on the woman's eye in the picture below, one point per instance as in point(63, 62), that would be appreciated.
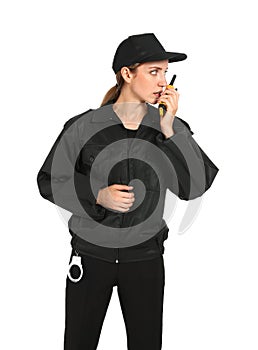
point(156, 72)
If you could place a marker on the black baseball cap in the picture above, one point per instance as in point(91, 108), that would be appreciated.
point(142, 48)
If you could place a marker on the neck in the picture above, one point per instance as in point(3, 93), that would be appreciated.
point(130, 111)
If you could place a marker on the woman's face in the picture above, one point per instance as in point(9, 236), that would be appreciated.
point(149, 81)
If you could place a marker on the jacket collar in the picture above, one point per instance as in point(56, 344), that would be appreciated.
point(106, 114)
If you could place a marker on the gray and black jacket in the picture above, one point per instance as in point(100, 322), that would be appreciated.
point(94, 151)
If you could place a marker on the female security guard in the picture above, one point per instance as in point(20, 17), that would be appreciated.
point(111, 167)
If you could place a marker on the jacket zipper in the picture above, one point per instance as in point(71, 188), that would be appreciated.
point(128, 169)
point(117, 256)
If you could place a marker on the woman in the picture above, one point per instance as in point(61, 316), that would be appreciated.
point(111, 167)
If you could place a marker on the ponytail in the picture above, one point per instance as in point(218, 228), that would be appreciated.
point(113, 93)
point(111, 96)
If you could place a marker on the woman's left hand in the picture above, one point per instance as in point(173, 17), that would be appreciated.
point(170, 97)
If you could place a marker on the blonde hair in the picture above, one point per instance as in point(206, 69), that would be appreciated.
point(113, 93)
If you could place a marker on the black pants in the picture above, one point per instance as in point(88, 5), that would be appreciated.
point(140, 287)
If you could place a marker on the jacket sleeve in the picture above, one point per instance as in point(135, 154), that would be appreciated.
point(189, 172)
point(60, 180)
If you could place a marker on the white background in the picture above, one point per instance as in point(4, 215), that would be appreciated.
point(56, 61)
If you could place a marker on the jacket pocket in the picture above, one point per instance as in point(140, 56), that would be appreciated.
point(89, 153)
point(86, 163)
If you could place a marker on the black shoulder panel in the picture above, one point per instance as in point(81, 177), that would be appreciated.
point(73, 119)
point(186, 124)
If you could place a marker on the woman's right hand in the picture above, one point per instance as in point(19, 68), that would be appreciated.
point(114, 197)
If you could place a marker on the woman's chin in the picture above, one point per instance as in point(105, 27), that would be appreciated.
point(152, 101)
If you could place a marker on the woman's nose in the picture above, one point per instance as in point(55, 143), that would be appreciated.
point(163, 82)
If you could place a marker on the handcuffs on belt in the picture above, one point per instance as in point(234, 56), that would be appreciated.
point(76, 260)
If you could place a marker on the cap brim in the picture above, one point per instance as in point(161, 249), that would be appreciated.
point(176, 56)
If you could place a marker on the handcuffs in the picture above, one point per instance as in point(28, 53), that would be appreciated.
point(76, 260)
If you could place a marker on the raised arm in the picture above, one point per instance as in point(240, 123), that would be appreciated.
point(189, 171)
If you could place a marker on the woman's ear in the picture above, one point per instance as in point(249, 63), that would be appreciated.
point(126, 74)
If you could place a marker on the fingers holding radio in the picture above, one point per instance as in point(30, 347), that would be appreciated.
point(170, 91)
point(170, 99)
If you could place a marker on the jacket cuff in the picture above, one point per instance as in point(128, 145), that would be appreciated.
point(162, 140)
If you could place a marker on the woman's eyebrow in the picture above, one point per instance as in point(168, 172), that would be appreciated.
point(157, 67)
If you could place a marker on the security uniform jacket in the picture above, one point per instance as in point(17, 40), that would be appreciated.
point(94, 150)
